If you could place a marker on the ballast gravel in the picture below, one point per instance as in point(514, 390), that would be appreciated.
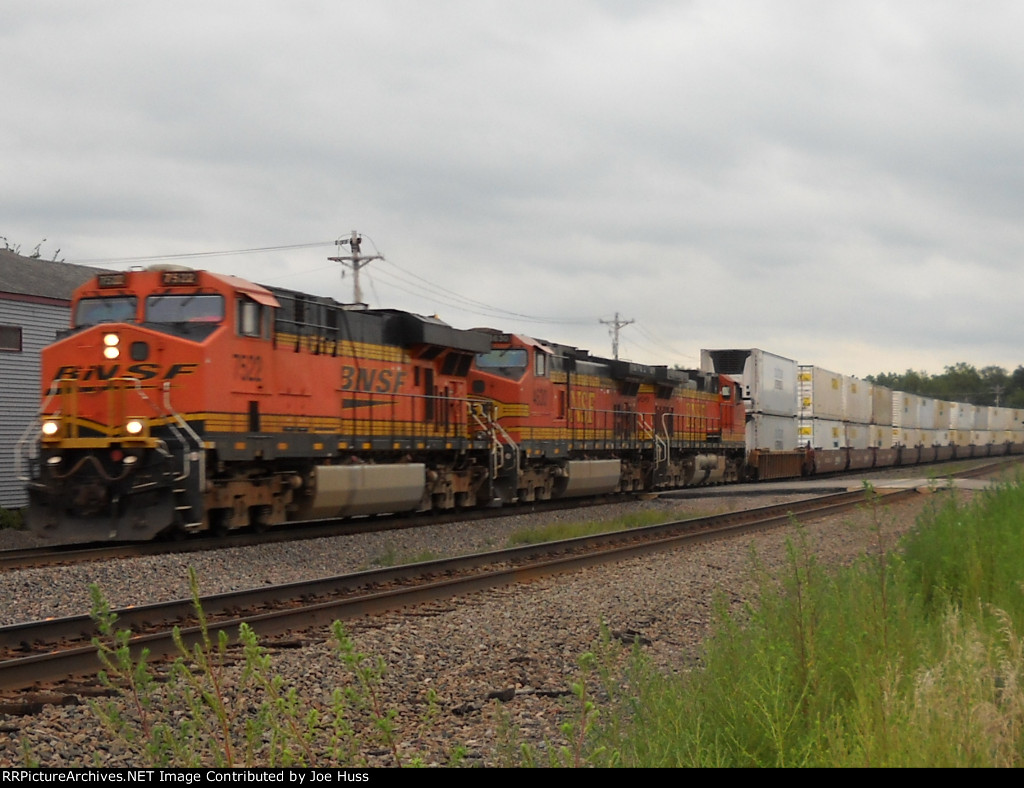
point(499, 664)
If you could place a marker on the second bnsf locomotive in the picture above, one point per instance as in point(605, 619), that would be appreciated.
point(183, 400)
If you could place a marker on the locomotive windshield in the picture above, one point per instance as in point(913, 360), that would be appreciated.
point(111, 309)
point(510, 363)
point(191, 308)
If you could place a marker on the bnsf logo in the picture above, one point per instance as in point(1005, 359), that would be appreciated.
point(376, 381)
point(99, 372)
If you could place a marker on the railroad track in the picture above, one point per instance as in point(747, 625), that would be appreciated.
point(64, 554)
point(74, 553)
point(42, 653)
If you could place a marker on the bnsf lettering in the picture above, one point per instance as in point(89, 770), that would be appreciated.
point(582, 403)
point(100, 373)
point(372, 381)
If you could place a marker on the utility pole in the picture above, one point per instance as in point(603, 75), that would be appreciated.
point(356, 261)
point(616, 324)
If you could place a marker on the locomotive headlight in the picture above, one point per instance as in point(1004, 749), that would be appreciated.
point(50, 428)
point(133, 427)
point(110, 346)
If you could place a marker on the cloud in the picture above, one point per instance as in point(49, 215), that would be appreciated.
point(834, 182)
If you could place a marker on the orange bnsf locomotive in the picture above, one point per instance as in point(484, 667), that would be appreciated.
point(184, 401)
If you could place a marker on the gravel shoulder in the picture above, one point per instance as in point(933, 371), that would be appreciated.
point(520, 643)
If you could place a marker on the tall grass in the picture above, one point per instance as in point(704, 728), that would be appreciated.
point(908, 658)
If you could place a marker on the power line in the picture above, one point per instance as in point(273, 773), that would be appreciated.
point(192, 255)
point(436, 292)
point(472, 305)
point(663, 344)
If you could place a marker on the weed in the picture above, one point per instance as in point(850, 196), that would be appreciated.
point(206, 710)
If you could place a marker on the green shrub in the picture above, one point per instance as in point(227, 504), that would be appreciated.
point(12, 518)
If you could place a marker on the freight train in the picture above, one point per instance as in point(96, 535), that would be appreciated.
point(185, 401)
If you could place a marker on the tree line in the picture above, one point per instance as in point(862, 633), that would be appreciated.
point(961, 382)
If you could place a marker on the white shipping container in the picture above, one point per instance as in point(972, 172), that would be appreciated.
point(982, 437)
point(857, 400)
point(960, 437)
point(858, 436)
point(915, 436)
point(774, 433)
point(880, 436)
point(769, 381)
point(982, 416)
point(926, 413)
point(934, 437)
point(1000, 419)
point(823, 433)
point(881, 405)
point(961, 417)
point(820, 393)
point(906, 411)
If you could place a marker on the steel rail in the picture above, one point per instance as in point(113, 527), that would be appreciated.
point(307, 605)
point(71, 553)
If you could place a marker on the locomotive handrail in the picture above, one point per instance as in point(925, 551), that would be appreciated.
point(444, 415)
point(22, 448)
point(493, 430)
point(660, 446)
point(186, 465)
point(22, 457)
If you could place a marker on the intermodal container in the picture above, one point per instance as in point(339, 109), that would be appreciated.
point(858, 404)
point(769, 381)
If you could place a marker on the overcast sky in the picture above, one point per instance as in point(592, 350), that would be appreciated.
point(841, 183)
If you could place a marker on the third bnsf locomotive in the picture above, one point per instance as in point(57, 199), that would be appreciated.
point(184, 401)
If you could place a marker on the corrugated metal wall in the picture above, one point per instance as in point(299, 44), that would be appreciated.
point(19, 384)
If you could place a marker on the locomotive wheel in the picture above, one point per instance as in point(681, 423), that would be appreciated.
point(220, 521)
point(259, 517)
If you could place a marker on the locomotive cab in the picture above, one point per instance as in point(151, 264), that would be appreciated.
point(543, 407)
point(120, 450)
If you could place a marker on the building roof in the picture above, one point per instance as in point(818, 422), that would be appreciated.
point(32, 276)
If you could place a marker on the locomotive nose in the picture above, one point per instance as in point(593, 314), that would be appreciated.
point(90, 499)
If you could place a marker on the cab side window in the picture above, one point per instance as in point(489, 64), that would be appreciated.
point(253, 319)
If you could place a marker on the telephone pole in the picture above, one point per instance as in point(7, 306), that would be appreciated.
point(616, 324)
point(355, 261)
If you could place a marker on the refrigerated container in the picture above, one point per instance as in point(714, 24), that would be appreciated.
point(906, 411)
point(822, 433)
point(962, 417)
point(880, 436)
point(771, 433)
point(881, 405)
point(819, 393)
point(858, 402)
point(769, 381)
point(858, 436)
